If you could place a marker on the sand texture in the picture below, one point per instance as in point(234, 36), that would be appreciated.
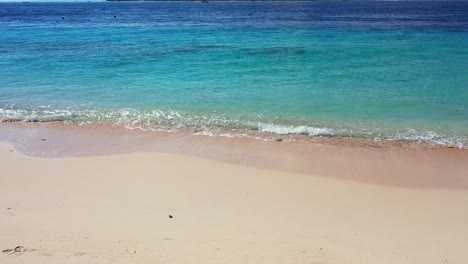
point(170, 208)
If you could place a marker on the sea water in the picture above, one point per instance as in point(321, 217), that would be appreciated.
point(378, 70)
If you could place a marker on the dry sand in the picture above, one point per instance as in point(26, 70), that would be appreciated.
point(115, 209)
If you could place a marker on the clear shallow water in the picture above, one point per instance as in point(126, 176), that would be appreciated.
point(380, 70)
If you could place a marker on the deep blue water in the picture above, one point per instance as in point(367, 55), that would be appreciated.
point(382, 70)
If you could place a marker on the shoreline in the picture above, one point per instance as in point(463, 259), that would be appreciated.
point(404, 165)
point(245, 127)
point(255, 134)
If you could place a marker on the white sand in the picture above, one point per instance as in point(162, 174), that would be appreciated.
point(114, 209)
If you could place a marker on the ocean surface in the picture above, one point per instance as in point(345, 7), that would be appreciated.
point(379, 70)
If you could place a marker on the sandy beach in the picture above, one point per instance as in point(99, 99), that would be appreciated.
point(252, 132)
point(167, 207)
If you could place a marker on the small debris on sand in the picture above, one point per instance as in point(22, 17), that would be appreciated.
point(170, 216)
point(17, 249)
point(9, 208)
point(43, 139)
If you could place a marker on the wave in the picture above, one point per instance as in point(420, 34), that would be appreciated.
point(300, 130)
point(431, 137)
point(215, 124)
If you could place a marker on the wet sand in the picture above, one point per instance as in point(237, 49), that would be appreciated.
point(391, 163)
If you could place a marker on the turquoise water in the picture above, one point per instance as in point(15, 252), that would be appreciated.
point(377, 70)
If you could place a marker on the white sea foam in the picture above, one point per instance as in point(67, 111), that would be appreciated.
point(215, 124)
point(429, 137)
point(301, 130)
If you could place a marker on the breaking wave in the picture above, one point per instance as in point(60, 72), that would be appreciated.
point(216, 124)
point(300, 130)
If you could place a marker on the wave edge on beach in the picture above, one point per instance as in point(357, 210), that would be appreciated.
point(220, 125)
